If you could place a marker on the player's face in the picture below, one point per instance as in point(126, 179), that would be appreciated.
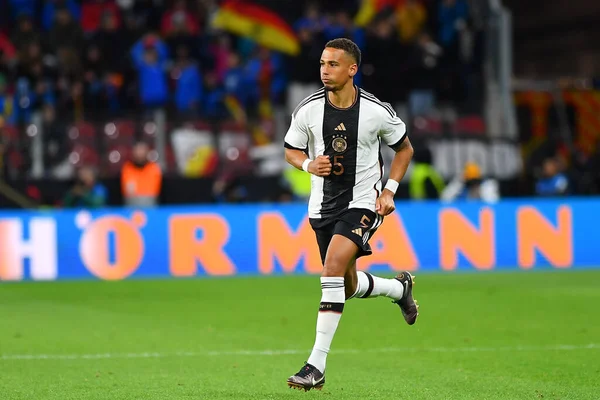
point(337, 68)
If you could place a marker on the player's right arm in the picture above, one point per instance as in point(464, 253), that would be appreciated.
point(296, 145)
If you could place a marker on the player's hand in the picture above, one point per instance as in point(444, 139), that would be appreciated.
point(385, 203)
point(320, 166)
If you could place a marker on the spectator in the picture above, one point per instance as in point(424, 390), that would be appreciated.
point(230, 189)
point(50, 11)
point(65, 32)
point(7, 105)
point(70, 83)
point(23, 7)
point(130, 33)
point(87, 192)
point(381, 75)
point(218, 57)
point(141, 179)
point(214, 99)
point(258, 76)
point(28, 58)
point(25, 100)
point(113, 42)
point(423, 58)
point(472, 186)
point(304, 78)
point(297, 183)
point(312, 21)
point(552, 182)
point(205, 11)
point(3, 160)
point(188, 89)
point(412, 17)
point(24, 35)
point(149, 40)
point(148, 12)
point(592, 171)
point(94, 78)
point(342, 26)
point(278, 77)
point(234, 78)
point(425, 183)
point(153, 90)
point(7, 51)
point(93, 11)
point(180, 35)
point(179, 14)
point(452, 16)
point(55, 148)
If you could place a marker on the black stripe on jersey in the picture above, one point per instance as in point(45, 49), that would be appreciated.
point(386, 108)
point(340, 126)
point(319, 94)
point(396, 146)
point(374, 99)
point(380, 169)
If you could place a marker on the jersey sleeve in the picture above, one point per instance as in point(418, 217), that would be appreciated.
point(297, 135)
point(393, 129)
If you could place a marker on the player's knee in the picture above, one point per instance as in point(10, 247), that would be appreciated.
point(333, 267)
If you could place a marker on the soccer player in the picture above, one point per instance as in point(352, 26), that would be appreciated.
point(335, 135)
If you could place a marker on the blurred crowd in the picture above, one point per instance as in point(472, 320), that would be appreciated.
point(79, 61)
point(106, 57)
point(68, 61)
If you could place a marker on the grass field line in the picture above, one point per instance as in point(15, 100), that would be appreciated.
point(560, 347)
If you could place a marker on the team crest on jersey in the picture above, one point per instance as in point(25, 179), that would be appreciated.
point(339, 143)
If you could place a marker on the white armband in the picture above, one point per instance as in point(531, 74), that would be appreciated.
point(392, 185)
point(305, 164)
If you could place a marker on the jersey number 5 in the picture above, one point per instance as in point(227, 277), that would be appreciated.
point(338, 168)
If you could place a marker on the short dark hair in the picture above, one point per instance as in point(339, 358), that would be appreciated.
point(348, 46)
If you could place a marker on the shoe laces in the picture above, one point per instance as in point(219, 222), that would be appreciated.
point(305, 371)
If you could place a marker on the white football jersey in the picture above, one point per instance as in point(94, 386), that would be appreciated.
point(352, 138)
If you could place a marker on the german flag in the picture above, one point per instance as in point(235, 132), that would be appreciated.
point(203, 162)
point(257, 23)
point(370, 8)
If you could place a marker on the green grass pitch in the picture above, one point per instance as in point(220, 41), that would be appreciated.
point(492, 335)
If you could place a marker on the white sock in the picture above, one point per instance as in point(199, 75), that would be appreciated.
point(330, 312)
point(374, 286)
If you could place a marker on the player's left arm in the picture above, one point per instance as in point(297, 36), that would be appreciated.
point(393, 133)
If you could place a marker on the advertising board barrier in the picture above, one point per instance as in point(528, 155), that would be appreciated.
point(229, 240)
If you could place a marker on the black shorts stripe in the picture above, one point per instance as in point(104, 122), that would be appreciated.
point(331, 307)
point(319, 94)
point(378, 222)
point(391, 112)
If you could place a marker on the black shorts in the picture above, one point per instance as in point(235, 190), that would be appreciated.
point(357, 224)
